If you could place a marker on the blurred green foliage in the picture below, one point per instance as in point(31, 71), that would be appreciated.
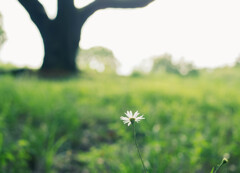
point(164, 64)
point(2, 33)
point(237, 63)
point(7, 66)
point(98, 59)
point(74, 125)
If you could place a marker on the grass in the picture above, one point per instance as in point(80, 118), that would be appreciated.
point(74, 125)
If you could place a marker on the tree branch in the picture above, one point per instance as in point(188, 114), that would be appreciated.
point(102, 4)
point(36, 12)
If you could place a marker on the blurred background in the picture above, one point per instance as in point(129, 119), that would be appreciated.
point(70, 69)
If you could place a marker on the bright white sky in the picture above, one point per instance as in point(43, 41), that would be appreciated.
point(205, 32)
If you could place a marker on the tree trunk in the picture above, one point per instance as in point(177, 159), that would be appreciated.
point(59, 56)
point(61, 41)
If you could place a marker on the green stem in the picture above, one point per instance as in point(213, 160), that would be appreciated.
point(139, 154)
point(222, 163)
point(218, 167)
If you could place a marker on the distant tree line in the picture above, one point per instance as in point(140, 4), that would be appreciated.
point(164, 64)
point(102, 60)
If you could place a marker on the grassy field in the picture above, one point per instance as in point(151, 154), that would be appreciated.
point(73, 125)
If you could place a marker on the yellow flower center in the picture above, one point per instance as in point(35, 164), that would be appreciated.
point(132, 120)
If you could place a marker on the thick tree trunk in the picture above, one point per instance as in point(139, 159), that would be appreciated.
point(60, 45)
point(57, 58)
point(61, 41)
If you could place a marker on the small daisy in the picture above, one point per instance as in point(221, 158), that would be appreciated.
point(130, 119)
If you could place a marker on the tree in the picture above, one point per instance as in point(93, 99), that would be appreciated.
point(97, 58)
point(237, 62)
point(2, 33)
point(61, 35)
point(164, 63)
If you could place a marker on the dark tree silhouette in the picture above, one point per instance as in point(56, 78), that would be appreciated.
point(61, 35)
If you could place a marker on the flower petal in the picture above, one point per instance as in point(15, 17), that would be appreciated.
point(135, 114)
point(128, 114)
point(124, 118)
point(139, 118)
point(131, 114)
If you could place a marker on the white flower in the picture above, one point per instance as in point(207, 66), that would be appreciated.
point(130, 119)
